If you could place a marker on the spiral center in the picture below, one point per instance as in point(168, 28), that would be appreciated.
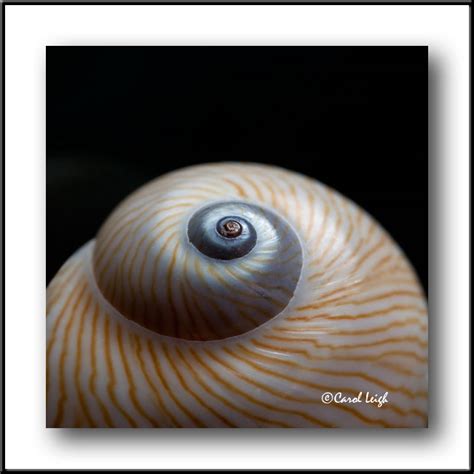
point(222, 232)
point(229, 228)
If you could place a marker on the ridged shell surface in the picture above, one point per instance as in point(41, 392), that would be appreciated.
point(162, 322)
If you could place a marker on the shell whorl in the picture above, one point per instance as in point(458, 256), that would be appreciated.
point(150, 324)
point(169, 268)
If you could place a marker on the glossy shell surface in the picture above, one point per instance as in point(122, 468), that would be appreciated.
point(159, 322)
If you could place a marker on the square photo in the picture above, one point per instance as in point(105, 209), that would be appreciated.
point(237, 237)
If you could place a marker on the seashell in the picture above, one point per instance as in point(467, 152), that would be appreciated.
point(237, 295)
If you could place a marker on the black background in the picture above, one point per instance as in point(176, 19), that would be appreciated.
point(354, 118)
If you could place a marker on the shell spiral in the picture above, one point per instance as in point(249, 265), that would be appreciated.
point(152, 267)
point(236, 295)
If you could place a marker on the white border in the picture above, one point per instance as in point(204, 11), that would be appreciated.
point(28, 29)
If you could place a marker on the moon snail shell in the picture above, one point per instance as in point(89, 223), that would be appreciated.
point(237, 295)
